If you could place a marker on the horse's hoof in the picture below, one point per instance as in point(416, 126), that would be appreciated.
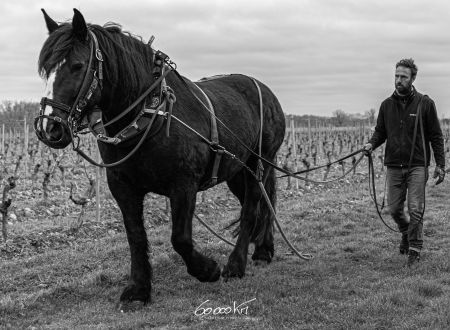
point(230, 271)
point(130, 306)
point(264, 254)
point(209, 274)
point(135, 295)
point(260, 263)
point(215, 275)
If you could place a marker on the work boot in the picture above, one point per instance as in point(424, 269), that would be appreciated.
point(404, 244)
point(413, 258)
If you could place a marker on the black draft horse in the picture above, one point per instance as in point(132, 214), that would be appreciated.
point(176, 166)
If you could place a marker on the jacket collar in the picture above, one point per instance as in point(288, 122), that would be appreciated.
point(405, 98)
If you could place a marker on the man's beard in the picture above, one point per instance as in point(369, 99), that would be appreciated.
point(403, 90)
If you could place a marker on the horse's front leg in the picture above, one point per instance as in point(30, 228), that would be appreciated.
point(130, 202)
point(182, 204)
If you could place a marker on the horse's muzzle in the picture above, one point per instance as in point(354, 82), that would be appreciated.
point(56, 135)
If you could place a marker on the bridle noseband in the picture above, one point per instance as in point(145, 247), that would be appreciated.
point(93, 79)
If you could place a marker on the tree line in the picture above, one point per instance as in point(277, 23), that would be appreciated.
point(12, 115)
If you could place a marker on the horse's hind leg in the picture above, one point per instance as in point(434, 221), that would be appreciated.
point(237, 261)
point(182, 204)
point(237, 186)
point(263, 238)
point(256, 221)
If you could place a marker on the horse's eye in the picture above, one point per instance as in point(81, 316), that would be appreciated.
point(76, 67)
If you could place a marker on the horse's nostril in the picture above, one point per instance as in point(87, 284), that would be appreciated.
point(54, 132)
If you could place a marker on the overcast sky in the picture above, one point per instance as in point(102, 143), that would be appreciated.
point(317, 56)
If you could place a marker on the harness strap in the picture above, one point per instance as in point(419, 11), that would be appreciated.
point(46, 101)
point(260, 167)
point(416, 124)
point(141, 98)
point(132, 152)
point(214, 140)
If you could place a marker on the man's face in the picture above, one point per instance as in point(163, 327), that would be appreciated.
point(403, 80)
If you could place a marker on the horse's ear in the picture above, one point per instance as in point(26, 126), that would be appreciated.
point(79, 25)
point(51, 24)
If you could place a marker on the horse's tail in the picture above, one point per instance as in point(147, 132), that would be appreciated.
point(263, 226)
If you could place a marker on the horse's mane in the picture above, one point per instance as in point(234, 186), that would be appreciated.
point(128, 60)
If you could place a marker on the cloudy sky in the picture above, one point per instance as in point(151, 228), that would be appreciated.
point(316, 55)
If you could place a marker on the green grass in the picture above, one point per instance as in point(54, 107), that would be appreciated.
point(357, 279)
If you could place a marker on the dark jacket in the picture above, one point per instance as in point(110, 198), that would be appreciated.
point(395, 123)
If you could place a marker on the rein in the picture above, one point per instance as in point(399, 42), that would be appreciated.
point(158, 107)
point(215, 147)
point(327, 165)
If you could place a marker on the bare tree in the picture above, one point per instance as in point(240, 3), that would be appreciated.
point(340, 116)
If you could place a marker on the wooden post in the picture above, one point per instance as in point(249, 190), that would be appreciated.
point(97, 188)
point(294, 149)
point(25, 146)
point(3, 139)
point(363, 133)
point(309, 136)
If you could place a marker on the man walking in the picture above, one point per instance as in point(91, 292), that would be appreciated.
point(408, 122)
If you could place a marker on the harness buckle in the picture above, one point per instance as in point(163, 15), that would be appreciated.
point(81, 105)
point(106, 139)
point(216, 147)
point(98, 55)
point(155, 102)
point(161, 56)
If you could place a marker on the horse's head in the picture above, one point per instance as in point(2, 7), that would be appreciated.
point(71, 63)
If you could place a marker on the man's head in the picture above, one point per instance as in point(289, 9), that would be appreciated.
point(405, 74)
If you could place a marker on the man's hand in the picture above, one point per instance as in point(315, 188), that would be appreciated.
point(439, 173)
point(367, 149)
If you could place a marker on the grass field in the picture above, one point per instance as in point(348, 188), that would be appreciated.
point(55, 278)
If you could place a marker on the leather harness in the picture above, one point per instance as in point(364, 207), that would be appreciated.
point(215, 143)
point(161, 95)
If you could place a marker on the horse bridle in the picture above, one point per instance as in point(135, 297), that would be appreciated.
point(93, 79)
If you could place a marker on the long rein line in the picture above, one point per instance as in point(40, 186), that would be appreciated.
point(257, 176)
point(294, 174)
point(373, 193)
point(286, 172)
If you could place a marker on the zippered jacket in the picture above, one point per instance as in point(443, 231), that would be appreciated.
point(395, 125)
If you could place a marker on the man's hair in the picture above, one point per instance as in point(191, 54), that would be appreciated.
point(408, 63)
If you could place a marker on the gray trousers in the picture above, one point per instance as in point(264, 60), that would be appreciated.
point(401, 186)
